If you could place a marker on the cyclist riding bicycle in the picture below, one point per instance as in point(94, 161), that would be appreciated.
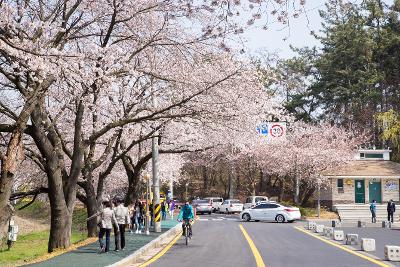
point(186, 215)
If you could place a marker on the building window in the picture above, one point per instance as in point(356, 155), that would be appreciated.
point(340, 185)
point(374, 156)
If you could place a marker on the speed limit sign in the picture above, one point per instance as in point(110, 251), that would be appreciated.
point(277, 130)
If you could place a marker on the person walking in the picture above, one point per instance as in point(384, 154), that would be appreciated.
point(138, 217)
point(151, 213)
point(171, 209)
point(122, 217)
point(163, 211)
point(372, 208)
point(106, 221)
point(132, 218)
point(391, 209)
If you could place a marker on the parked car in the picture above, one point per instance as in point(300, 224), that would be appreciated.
point(253, 201)
point(230, 206)
point(202, 206)
point(271, 211)
point(215, 202)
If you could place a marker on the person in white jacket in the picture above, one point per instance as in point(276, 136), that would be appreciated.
point(106, 221)
point(122, 217)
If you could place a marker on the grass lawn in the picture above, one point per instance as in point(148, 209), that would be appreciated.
point(33, 245)
point(29, 247)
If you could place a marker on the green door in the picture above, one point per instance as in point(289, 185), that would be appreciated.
point(360, 191)
point(375, 191)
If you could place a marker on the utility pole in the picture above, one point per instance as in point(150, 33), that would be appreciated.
point(171, 187)
point(147, 178)
point(319, 200)
point(156, 179)
point(296, 182)
point(186, 192)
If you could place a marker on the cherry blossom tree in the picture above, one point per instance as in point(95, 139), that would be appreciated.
point(68, 65)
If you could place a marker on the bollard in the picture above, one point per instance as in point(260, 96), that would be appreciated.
point(338, 235)
point(351, 239)
point(386, 224)
point(319, 228)
point(361, 224)
point(328, 232)
point(368, 244)
point(311, 225)
point(392, 253)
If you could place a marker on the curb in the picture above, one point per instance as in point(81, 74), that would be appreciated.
point(135, 256)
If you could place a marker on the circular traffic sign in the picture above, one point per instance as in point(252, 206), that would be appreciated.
point(276, 130)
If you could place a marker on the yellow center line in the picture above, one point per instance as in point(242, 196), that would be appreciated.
point(257, 256)
point(163, 251)
point(377, 262)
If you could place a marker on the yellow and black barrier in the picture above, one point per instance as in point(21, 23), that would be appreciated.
point(157, 213)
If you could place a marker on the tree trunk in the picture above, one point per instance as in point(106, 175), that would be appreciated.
point(92, 207)
point(261, 183)
point(307, 195)
point(6, 214)
point(60, 228)
point(296, 195)
point(62, 186)
point(9, 165)
point(282, 191)
point(205, 180)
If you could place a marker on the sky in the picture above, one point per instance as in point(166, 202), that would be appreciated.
point(278, 39)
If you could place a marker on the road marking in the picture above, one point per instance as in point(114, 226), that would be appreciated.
point(257, 256)
point(162, 252)
point(344, 248)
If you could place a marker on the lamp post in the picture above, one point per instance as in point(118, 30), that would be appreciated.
point(319, 200)
point(147, 178)
point(186, 191)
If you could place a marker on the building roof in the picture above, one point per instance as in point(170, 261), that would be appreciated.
point(367, 168)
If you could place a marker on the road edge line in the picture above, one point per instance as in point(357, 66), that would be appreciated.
point(365, 257)
point(256, 253)
point(164, 250)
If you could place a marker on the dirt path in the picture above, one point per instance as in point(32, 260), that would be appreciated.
point(30, 225)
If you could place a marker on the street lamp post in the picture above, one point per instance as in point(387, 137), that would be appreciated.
point(186, 191)
point(147, 178)
point(319, 200)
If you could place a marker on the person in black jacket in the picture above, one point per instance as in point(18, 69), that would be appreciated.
point(391, 208)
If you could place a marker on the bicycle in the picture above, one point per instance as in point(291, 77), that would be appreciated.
point(186, 231)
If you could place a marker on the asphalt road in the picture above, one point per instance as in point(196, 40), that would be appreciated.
point(218, 241)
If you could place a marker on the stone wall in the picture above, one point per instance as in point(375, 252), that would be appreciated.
point(346, 196)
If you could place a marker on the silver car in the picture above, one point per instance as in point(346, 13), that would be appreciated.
point(202, 206)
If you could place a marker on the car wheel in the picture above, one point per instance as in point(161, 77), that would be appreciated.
point(280, 218)
point(227, 211)
point(209, 213)
point(256, 220)
point(246, 217)
point(219, 211)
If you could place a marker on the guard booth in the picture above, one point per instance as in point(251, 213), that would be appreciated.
point(370, 176)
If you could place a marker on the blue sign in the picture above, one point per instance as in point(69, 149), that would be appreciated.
point(263, 129)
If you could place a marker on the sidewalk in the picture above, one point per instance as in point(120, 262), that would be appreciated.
point(88, 256)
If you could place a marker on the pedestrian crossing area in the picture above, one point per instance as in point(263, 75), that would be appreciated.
point(218, 219)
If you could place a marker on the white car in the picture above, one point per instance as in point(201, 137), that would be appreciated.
point(230, 206)
point(270, 211)
point(253, 201)
point(216, 202)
